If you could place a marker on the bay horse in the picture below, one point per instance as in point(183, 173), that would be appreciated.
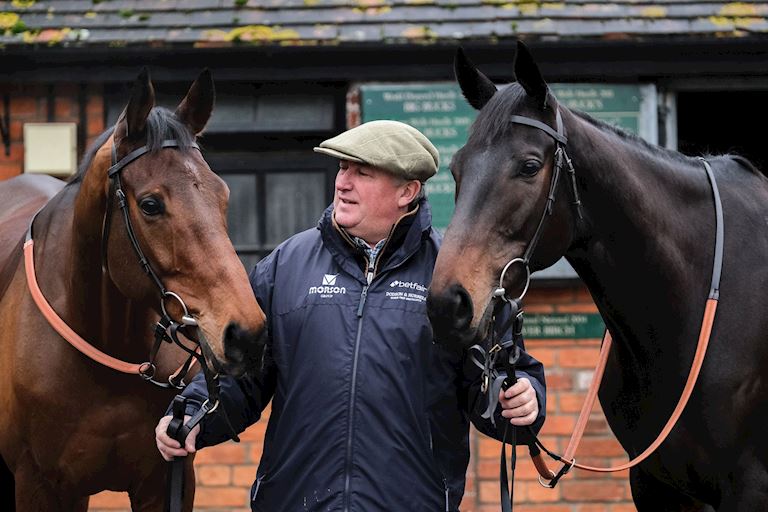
point(71, 427)
point(643, 241)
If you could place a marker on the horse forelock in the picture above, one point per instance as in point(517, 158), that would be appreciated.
point(161, 125)
point(490, 124)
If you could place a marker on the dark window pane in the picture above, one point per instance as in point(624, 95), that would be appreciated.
point(243, 212)
point(294, 112)
point(295, 201)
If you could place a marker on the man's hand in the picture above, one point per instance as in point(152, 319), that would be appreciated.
point(519, 404)
point(170, 448)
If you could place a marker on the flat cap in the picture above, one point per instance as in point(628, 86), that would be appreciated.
point(393, 146)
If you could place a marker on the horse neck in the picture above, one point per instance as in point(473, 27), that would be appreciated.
point(70, 274)
point(646, 248)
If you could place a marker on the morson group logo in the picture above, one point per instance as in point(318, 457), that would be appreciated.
point(329, 288)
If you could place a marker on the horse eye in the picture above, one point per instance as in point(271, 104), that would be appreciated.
point(530, 168)
point(151, 206)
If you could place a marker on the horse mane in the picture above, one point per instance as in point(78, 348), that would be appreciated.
point(661, 151)
point(162, 125)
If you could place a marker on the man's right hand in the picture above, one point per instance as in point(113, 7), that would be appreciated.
point(170, 448)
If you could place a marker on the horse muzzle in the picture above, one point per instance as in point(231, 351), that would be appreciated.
point(451, 313)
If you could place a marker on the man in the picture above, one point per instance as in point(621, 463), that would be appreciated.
point(367, 414)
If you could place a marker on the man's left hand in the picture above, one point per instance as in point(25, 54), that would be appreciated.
point(519, 403)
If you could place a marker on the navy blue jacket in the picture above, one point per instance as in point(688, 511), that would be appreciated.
point(368, 414)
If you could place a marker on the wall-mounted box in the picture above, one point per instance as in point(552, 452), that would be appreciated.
point(50, 148)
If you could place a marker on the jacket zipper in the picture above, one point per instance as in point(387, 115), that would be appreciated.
point(351, 408)
point(256, 488)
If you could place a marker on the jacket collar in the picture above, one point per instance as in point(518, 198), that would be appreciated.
point(403, 241)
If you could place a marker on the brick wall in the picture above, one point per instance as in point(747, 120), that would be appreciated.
point(29, 103)
point(225, 473)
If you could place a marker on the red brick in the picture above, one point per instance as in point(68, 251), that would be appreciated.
point(65, 108)
point(254, 451)
point(489, 492)
point(551, 296)
point(588, 491)
point(593, 508)
point(227, 453)
point(94, 127)
point(9, 170)
point(578, 357)
point(536, 493)
point(576, 308)
point(255, 432)
point(244, 476)
point(597, 424)
point(539, 308)
point(623, 508)
point(558, 381)
point(546, 356)
point(213, 474)
point(559, 425)
point(570, 402)
point(24, 106)
point(16, 132)
point(542, 508)
point(221, 497)
point(600, 447)
point(488, 448)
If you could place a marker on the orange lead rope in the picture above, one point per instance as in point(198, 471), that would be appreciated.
point(61, 327)
point(66, 332)
point(570, 451)
point(698, 359)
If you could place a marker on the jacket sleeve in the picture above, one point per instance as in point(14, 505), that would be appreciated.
point(244, 398)
point(477, 401)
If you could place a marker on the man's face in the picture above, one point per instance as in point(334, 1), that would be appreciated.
point(367, 200)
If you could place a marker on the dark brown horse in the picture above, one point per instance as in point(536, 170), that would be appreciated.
point(644, 247)
point(69, 426)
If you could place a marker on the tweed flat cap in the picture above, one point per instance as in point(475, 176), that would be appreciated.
point(393, 146)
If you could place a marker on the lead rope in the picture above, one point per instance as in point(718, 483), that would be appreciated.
point(568, 460)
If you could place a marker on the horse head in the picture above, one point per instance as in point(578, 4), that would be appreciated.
point(503, 179)
point(169, 250)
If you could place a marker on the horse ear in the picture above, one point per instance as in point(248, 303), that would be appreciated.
point(475, 86)
point(528, 74)
point(196, 107)
point(141, 103)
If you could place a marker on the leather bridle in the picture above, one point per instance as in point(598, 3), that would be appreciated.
point(167, 328)
point(508, 351)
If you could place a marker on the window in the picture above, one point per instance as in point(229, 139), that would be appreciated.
point(273, 196)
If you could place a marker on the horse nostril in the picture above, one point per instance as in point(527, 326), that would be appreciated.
point(462, 310)
point(450, 312)
point(242, 348)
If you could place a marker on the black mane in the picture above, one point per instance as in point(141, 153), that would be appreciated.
point(161, 125)
point(507, 101)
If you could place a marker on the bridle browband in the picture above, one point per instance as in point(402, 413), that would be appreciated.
point(508, 350)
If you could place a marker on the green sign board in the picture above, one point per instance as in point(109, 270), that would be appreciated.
point(615, 104)
point(563, 325)
point(440, 111)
